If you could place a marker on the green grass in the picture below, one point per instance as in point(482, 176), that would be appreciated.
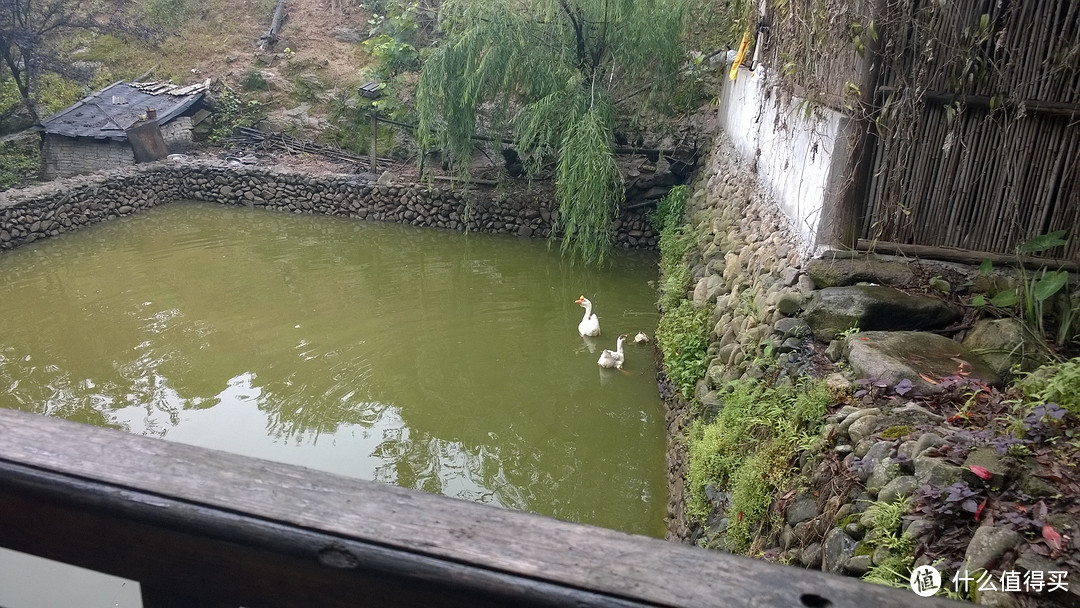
point(20, 162)
point(1056, 383)
point(682, 334)
point(254, 81)
point(885, 531)
point(747, 451)
point(57, 93)
point(676, 241)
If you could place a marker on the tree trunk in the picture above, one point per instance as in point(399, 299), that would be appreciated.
point(270, 38)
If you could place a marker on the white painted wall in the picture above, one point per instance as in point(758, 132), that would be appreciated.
point(793, 153)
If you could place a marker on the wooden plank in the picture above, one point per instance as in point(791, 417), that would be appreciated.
point(855, 156)
point(373, 148)
point(188, 552)
point(951, 254)
point(261, 533)
point(146, 141)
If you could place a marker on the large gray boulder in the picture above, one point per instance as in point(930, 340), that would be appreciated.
point(836, 550)
point(849, 271)
point(987, 546)
point(1003, 343)
point(874, 307)
point(892, 356)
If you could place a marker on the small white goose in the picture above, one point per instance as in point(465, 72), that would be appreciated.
point(613, 358)
point(590, 324)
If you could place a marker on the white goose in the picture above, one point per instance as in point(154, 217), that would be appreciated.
point(590, 325)
point(613, 358)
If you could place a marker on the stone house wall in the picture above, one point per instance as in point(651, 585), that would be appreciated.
point(66, 156)
point(177, 134)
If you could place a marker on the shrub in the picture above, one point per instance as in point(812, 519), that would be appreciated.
point(232, 112)
point(393, 38)
point(254, 81)
point(676, 240)
point(670, 209)
point(747, 451)
point(1056, 383)
point(682, 335)
point(20, 162)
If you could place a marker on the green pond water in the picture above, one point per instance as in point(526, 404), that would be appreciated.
point(434, 360)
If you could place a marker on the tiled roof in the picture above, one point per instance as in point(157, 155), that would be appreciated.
point(108, 113)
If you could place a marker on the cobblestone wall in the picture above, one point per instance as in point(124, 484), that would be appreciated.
point(30, 214)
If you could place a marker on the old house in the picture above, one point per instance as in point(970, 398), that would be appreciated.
point(96, 132)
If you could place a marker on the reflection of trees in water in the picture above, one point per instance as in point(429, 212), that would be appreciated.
point(510, 472)
point(317, 324)
point(47, 390)
point(303, 420)
point(477, 473)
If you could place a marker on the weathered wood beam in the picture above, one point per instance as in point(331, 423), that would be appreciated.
point(860, 142)
point(965, 256)
point(983, 102)
point(219, 528)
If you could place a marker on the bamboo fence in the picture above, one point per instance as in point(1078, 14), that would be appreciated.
point(979, 126)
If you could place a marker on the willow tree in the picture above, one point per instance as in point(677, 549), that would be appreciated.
point(546, 72)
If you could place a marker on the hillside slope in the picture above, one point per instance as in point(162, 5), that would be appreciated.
point(317, 60)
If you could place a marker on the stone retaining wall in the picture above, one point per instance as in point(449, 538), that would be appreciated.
point(746, 270)
point(778, 314)
point(64, 205)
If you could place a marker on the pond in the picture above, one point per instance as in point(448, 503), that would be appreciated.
point(430, 359)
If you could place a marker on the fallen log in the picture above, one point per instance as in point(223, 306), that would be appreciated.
point(272, 35)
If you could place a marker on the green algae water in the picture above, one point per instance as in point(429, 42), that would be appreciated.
point(429, 359)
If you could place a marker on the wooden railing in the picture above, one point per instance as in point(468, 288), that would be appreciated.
point(199, 527)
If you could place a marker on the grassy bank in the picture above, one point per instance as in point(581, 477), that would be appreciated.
point(747, 452)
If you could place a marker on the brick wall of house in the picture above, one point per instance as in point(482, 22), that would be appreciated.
point(65, 156)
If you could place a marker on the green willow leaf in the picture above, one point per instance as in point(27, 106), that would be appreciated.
point(546, 72)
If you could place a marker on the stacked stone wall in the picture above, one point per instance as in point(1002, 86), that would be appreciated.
point(777, 314)
point(48, 210)
point(746, 271)
point(177, 134)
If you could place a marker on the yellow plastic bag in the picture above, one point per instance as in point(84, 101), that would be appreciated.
point(740, 55)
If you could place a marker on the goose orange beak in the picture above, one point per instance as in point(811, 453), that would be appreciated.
point(579, 300)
